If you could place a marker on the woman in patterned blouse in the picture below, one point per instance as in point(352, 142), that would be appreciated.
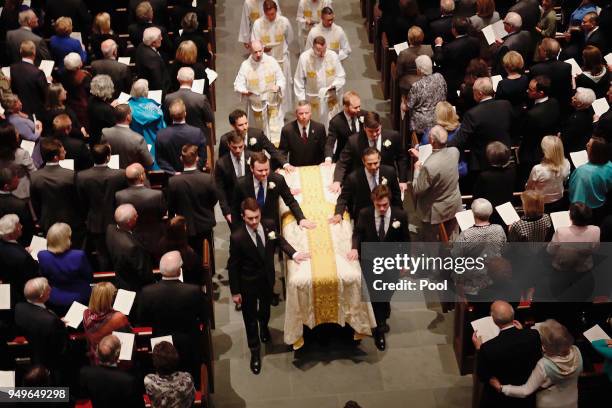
point(534, 225)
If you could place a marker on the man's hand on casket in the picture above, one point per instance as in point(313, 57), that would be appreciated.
point(335, 219)
point(308, 224)
point(298, 257)
point(352, 255)
point(237, 299)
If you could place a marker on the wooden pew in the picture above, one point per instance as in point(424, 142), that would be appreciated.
point(388, 57)
point(396, 99)
point(208, 261)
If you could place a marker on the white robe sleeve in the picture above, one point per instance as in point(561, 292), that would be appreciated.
point(245, 25)
point(298, 79)
point(309, 40)
point(345, 47)
point(289, 32)
point(300, 16)
point(255, 31)
point(240, 83)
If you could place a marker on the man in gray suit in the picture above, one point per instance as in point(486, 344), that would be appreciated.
point(28, 21)
point(436, 186)
point(129, 145)
point(518, 40)
point(199, 112)
point(120, 73)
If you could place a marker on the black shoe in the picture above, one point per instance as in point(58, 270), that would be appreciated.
point(275, 299)
point(379, 341)
point(255, 362)
point(384, 328)
point(237, 307)
point(264, 333)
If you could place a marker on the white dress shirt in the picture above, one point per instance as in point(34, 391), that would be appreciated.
point(372, 179)
point(260, 231)
point(265, 187)
point(239, 164)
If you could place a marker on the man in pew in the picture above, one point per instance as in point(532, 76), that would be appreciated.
point(343, 125)
point(149, 63)
point(9, 204)
point(178, 309)
point(518, 39)
point(28, 81)
point(145, 19)
point(105, 384)
point(131, 261)
point(120, 73)
point(27, 21)
point(510, 357)
point(559, 72)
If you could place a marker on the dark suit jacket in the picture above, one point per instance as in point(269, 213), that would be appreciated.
point(255, 141)
point(541, 120)
point(129, 145)
point(406, 67)
point(119, 73)
point(598, 39)
point(136, 32)
point(160, 12)
point(510, 357)
point(16, 267)
point(96, 188)
point(339, 131)
point(560, 75)
point(489, 121)
point(77, 150)
point(496, 184)
point(199, 111)
point(101, 115)
point(529, 10)
point(30, 84)
point(356, 191)
point(110, 387)
point(299, 153)
point(9, 204)
point(454, 57)
point(193, 195)
point(366, 231)
point(151, 208)
point(151, 66)
point(441, 27)
point(170, 142)
point(45, 332)
point(247, 269)
point(245, 188)
point(521, 42)
point(225, 179)
point(577, 130)
point(392, 154)
point(131, 261)
point(54, 197)
point(15, 37)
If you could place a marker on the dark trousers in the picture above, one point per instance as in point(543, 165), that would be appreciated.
point(256, 311)
point(197, 242)
point(97, 243)
point(382, 311)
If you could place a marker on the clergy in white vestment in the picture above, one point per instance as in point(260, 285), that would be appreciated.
point(251, 11)
point(275, 33)
point(309, 14)
point(334, 35)
point(261, 82)
point(319, 78)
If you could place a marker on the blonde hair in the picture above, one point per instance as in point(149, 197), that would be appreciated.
point(102, 297)
point(446, 116)
point(556, 339)
point(58, 238)
point(187, 52)
point(415, 35)
point(554, 157)
point(513, 62)
point(63, 26)
point(102, 23)
point(533, 203)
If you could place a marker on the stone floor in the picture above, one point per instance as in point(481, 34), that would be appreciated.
point(418, 369)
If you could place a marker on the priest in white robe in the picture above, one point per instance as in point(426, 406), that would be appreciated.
point(275, 33)
point(308, 15)
point(319, 78)
point(251, 11)
point(260, 82)
point(334, 35)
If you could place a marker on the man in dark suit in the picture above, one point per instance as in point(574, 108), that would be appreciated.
point(454, 57)
point(518, 39)
point(228, 169)
point(266, 188)
point(577, 128)
point(45, 332)
point(120, 73)
point(147, 16)
point(75, 9)
point(193, 195)
point(28, 20)
point(199, 111)
point(53, 192)
point(251, 273)
point(358, 186)
point(510, 357)
point(181, 317)
point(159, 10)
point(387, 142)
point(594, 34)
point(303, 140)
point(443, 25)
point(149, 204)
point(542, 119)
point(489, 121)
point(131, 261)
point(559, 72)
point(529, 10)
point(170, 141)
point(149, 64)
point(254, 140)
point(381, 222)
point(105, 384)
point(76, 149)
point(96, 188)
point(28, 81)
point(129, 145)
point(9, 204)
point(343, 125)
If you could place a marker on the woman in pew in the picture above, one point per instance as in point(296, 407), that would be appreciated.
point(534, 225)
point(190, 24)
point(55, 106)
point(513, 88)
point(496, 182)
point(62, 44)
point(11, 154)
point(168, 387)
point(595, 73)
point(100, 319)
point(175, 239)
point(77, 83)
point(485, 14)
point(187, 56)
point(101, 31)
point(556, 373)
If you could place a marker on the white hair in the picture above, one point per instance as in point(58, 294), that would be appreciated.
point(438, 134)
point(424, 64)
point(150, 35)
point(25, 17)
point(35, 288)
point(585, 96)
point(514, 19)
point(109, 48)
point(124, 213)
point(482, 209)
point(185, 74)
point(102, 86)
point(170, 264)
point(140, 88)
point(72, 61)
point(484, 86)
point(8, 223)
point(447, 6)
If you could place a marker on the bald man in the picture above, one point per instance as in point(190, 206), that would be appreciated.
point(149, 204)
point(510, 357)
point(119, 73)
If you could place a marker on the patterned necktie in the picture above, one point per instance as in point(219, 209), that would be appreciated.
point(260, 196)
point(239, 173)
point(381, 228)
point(304, 135)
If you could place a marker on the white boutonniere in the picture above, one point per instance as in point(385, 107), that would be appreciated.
point(271, 185)
point(252, 141)
point(387, 143)
point(272, 235)
point(361, 119)
point(383, 181)
point(396, 224)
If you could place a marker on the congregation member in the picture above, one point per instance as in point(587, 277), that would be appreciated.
point(175, 239)
point(101, 31)
point(56, 105)
point(28, 81)
point(9, 204)
point(167, 385)
point(309, 15)
point(513, 87)
point(100, 109)
point(119, 73)
point(442, 26)
point(576, 129)
point(190, 26)
point(334, 35)
point(549, 176)
point(14, 156)
point(149, 63)
point(485, 14)
point(303, 140)
point(534, 225)
point(186, 56)
point(28, 21)
point(62, 43)
point(497, 181)
point(28, 130)
point(518, 39)
point(75, 149)
point(558, 72)
point(594, 74)
point(344, 124)
point(77, 82)
point(145, 19)
point(406, 60)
